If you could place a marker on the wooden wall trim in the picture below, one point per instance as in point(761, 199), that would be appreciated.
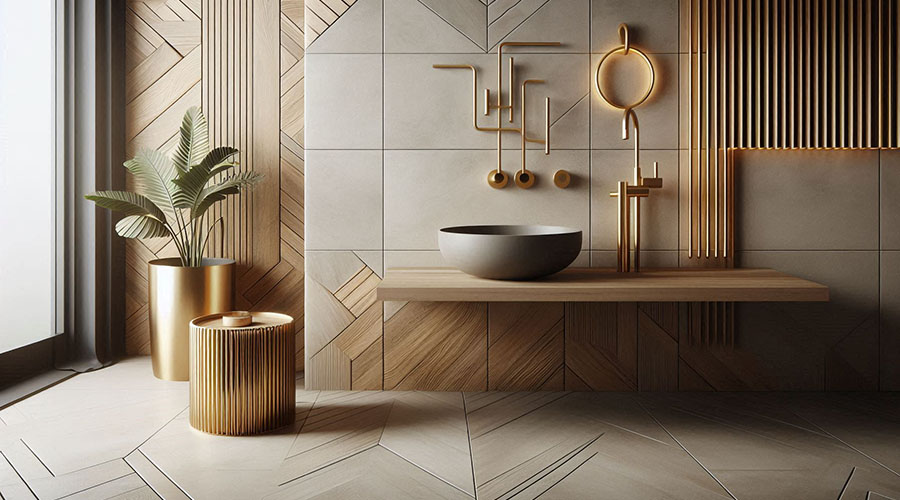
point(242, 61)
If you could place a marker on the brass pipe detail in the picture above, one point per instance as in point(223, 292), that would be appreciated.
point(497, 178)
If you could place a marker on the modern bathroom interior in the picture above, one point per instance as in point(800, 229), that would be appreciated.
point(456, 249)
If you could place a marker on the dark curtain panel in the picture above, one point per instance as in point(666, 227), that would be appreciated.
point(94, 143)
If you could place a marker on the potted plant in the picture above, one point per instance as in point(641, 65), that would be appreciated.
point(171, 200)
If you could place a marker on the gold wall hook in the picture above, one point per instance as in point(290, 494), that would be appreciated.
point(497, 178)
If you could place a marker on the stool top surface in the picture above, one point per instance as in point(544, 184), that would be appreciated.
point(260, 320)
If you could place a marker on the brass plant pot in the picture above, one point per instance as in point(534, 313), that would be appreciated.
point(179, 294)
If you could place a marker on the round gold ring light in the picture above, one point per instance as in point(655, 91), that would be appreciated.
point(625, 49)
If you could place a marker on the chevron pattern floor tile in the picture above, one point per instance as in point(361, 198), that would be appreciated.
point(120, 433)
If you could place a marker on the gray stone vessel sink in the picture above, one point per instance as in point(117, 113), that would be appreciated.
point(510, 252)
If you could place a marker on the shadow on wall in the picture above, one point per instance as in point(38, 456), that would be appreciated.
point(814, 214)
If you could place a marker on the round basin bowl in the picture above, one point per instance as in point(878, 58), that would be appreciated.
point(510, 252)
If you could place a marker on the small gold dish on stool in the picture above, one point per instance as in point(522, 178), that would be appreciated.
point(242, 372)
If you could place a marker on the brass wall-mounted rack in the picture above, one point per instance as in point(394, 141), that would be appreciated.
point(497, 178)
point(628, 247)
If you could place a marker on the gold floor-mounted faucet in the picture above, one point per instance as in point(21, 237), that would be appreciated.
point(497, 178)
point(628, 247)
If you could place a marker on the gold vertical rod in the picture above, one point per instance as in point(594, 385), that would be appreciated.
point(861, 51)
point(843, 81)
point(851, 123)
point(758, 74)
point(792, 82)
point(690, 243)
point(512, 86)
point(816, 104)
point(869, 71)
point(741, 58)
point(776, 79)
point(890, 76)
point(699, 127)
point(546, 125)
point(706, 128)
point(730, 106)
point(782, 141)
point(880, 76)
point(713, 145)
point(767, 76)
point(624, 241)
point(807, 79)
point(834, 82)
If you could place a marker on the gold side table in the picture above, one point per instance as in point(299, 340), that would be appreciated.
point(242, 377)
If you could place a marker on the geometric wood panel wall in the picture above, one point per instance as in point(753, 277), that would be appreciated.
point(242, 61)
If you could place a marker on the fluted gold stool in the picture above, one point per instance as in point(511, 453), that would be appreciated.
point(242, 377)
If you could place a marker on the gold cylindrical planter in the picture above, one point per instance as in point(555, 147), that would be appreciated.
point(179, 294)
point(242, 378)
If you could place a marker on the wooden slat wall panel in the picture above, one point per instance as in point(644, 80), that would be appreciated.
point(227, 57)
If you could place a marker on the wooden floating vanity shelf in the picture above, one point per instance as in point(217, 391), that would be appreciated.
point(603, 285)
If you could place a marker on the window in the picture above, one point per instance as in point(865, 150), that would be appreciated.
point(28, 173)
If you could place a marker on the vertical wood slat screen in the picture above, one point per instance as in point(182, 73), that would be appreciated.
point(782, 74)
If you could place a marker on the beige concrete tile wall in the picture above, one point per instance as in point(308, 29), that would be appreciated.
point(392, 157)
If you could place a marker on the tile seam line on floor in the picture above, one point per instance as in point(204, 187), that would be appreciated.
point(713, 476)
point(158, 493)
point(102, 483)
point(330, 441)
point(566, 456)
point(302, 424)
point(161, 471)
point(13, 467)
point(329, 464)
point(550, 469)
point(37, 457)
point(417, 466)
point(846, 484)
point(469, 441)
point(136, 448)
point(567, 475)
point(522, 415)
point(848, 445)
point(725, 423)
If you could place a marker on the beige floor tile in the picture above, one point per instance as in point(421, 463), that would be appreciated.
point(129, 487)
point(154, 477)
point(81, 480)
point(429, 430)
point(450, 445)
point(375, 473)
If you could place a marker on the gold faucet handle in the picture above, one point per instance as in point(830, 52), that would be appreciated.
point(654, 182)
point(633, 192)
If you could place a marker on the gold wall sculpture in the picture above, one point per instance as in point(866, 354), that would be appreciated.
point(242, 61)
point(780, 74)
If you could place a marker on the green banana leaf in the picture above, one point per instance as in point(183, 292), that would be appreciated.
point(141, 226)
point(154, 173)
point(194, 140)
point(127, 203)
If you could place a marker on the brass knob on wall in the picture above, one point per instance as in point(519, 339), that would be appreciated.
point(562, 179)
point(497, 179)
point(524, 178)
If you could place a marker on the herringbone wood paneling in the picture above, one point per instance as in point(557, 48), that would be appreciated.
point(243, 63)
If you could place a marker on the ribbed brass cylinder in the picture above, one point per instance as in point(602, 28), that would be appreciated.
point(242, 378)
point(179, 294)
